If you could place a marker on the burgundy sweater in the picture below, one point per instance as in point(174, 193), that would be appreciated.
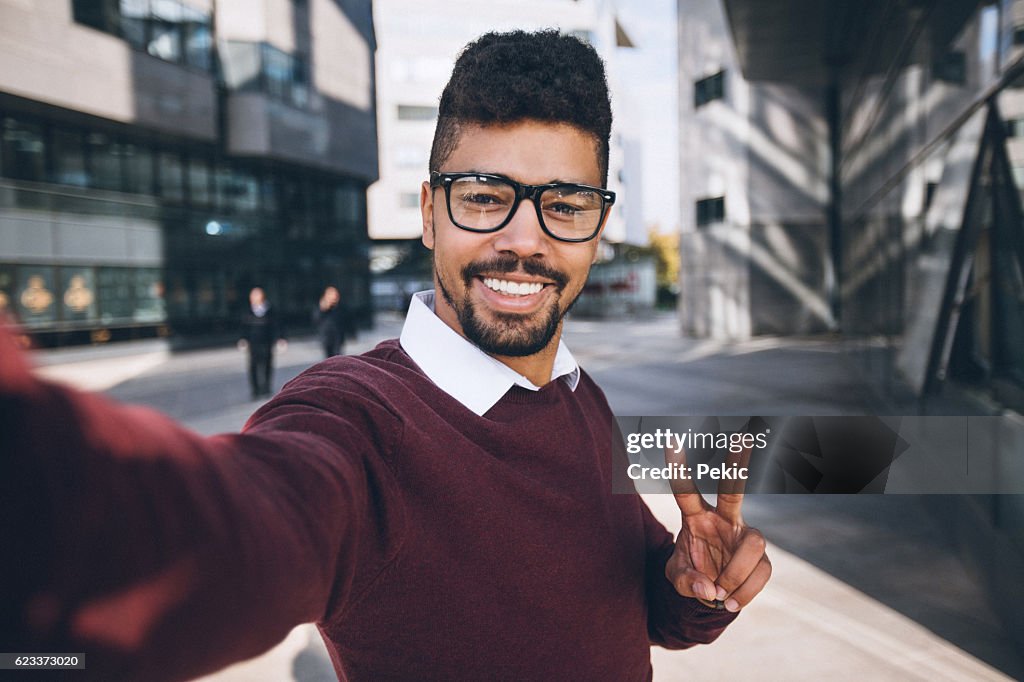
point(425, 541)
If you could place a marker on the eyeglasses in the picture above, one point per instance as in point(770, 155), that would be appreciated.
point(482, 202)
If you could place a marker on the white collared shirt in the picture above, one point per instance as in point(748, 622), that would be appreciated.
point(462, 370)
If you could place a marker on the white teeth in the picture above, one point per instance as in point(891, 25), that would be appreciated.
point(512, 288)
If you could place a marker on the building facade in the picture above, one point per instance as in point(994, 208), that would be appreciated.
point(161, 157)
point(857, 168)
point(418, 44)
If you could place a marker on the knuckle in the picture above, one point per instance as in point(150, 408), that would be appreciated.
point(756, 540)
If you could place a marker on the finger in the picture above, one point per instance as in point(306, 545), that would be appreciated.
point(688, 498)
point(730, 491)
point(750, 588)
point(690, 582)
point(745, 558)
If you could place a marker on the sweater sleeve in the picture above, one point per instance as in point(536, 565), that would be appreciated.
point(674, 621)
point(163, 555)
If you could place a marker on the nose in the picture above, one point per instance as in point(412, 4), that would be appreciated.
point(523, 234)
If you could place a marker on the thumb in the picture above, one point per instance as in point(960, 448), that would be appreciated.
point(689, 582)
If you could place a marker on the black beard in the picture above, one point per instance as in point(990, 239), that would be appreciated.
point(511, 335)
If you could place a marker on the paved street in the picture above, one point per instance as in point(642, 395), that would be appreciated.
point(864, 587)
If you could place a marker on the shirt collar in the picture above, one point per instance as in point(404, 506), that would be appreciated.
point(462, 370)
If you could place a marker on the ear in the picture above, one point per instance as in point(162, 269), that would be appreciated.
point(427, 213)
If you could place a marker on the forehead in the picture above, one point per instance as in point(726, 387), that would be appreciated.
point(531, 152)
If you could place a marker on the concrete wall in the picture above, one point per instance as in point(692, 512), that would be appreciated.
point(763, 146)
point(49, 58)
point(336, 128)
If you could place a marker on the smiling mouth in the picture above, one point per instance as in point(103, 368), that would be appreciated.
point(510, 288)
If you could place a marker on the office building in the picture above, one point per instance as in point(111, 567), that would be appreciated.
point(418, 44)
point(856, 168)
point(161, 157)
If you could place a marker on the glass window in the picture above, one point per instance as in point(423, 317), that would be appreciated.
point(951, 67)
point(295, 205)
point(411, 112)
point(69, 158)
point(171, 182)
point(277, 72)
point(178, 297)
point(115, 289)
point(284, 76)
point(348, 204)
point(710, 211)
point(198, 38)
point(238, 190)
point(104, 157)
point(1018, 176)
point(268, 195)
point(24, 153)
point(708, 89)
point(37, 299)
point(199, 181)
point(209, 294)
point(149, 296)
point(7, 295)
point(134, 20)
point(165, 34)
point(225, 187)
point(138, 169)
point(78, 296)
point(300, 81)
point(99, 14)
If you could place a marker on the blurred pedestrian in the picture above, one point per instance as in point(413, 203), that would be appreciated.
point(329, 319)
point(261, 331)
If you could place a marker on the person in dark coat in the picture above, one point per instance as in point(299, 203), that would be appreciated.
point(260, 332)
point(330, 322)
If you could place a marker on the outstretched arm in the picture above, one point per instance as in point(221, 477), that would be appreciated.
point(163, 555)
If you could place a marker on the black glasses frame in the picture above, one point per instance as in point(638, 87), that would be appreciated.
point(531, 192)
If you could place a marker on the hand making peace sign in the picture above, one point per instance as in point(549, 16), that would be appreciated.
point(718, 558)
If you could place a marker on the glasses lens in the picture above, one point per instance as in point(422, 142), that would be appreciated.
point(481, 203)
point(571, 212)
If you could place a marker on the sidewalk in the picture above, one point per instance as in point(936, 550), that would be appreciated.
point(863, 587)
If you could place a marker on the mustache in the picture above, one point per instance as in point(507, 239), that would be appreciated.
point(508, 263)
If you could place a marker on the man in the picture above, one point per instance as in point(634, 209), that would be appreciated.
point(441, 506)
point(329, 319)
point(261, 332)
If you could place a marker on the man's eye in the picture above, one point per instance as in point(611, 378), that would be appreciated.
point(482, 199)
point(562, 209)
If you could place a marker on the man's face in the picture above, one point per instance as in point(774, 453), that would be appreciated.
point(471, 269)
point(256, 297)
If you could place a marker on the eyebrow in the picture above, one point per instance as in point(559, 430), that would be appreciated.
point(556, 181)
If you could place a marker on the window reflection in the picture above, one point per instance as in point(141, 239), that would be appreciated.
point(171, 30)
point(104, 161)
point(69, 158)
point(23, 151)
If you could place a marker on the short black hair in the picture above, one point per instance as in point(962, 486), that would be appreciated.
point(510, 77)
